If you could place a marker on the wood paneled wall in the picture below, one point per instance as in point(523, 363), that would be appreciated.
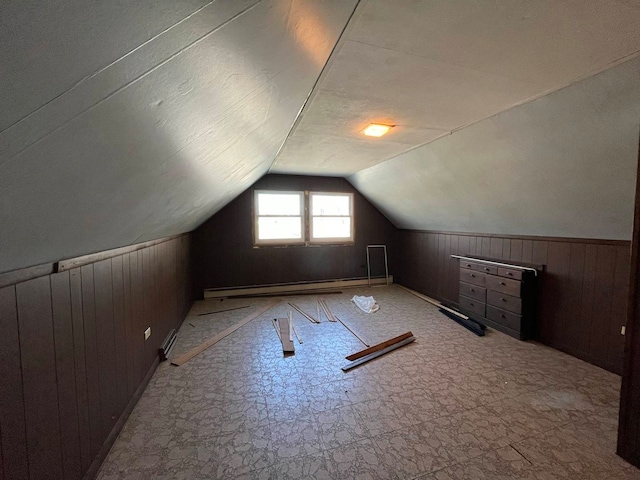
point(73, 356)
point(583, 300)
point(226, 256)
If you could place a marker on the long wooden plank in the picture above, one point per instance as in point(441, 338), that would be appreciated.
point(377, 354)
point(40, 387)
point(433, 302)
point(66, 375)
point(379, 346)
point(354, 333)
point(212, 341)
point(13, 438)
point(224, 310)
point(293, 287)
point(76, 262)
point(326, 310)
point(305, 315)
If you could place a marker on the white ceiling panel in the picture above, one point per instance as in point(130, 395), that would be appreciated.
point(562, 165)
point(136, 154)
point(445, 64)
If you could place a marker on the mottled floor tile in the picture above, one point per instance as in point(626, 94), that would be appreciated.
point(341, 426)
point(559, 448)
point(449, 406)
point(296, 439)
point(503, 464)
point(311, 467)
point(360, 460)
point(242, 451)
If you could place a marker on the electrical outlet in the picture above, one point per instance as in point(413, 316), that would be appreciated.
point(623, 330)
point(147, 333)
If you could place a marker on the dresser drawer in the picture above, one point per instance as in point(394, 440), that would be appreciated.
point(503, 285)
point(485, 268)
point(472, 276)
point(504, 301)
point(471, 305)
point(473, 291)
point(508, 319)
point(469, 265)
point(510, 273)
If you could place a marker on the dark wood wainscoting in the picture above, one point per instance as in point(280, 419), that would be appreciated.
point(226, 256)
point(583, 302)
point(73, 355)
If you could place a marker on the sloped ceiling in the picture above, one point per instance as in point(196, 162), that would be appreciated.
point(122, 122)
point(127, 121)
point(434, 67)
point(563, 165)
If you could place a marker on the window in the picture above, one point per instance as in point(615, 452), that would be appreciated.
point(278, 217)
point(293, 218)
point(331, 217)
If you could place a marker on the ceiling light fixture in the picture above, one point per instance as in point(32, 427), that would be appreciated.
point(376, 130)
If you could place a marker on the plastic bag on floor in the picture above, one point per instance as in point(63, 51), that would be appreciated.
point(366, 304)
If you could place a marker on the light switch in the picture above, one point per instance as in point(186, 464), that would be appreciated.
point(147, 333)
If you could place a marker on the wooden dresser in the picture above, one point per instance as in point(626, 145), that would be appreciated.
point(501, 296)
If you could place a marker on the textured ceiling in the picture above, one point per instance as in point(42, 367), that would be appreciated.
point(434, 67)
point(122, 122)
point(562, 165)
point(127, 121)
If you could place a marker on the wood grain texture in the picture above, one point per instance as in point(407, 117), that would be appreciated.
point(580, 292)
point(14, 432)
point(39, 385)
point(74, 345)
point(66, 375)
point(84, 429)
point(225, 333)
point(226, 256)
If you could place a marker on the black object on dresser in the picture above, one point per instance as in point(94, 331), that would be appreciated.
point(499, 294)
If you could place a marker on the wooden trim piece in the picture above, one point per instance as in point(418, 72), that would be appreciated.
point(305, 315)
point(433, 302)
point(624, 243)
point(76, 262)
point(354, 333)
point(293, 287)
point(224, 310)
point(379, 346)
point(185, 357)
point(377, 354)
point(24, 274)
point(326, 310)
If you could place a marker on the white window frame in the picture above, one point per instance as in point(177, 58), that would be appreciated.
point(311, 216)
point(278, 241)
point(306, 219)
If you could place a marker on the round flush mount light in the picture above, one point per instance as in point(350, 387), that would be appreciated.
point(376, 129)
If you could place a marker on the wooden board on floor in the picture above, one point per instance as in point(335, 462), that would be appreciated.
point(379, 346)
point(185, 357)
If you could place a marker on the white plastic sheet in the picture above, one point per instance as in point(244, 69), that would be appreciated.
point(366, 304)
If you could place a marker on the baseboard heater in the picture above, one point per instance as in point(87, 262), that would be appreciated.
point(167, 345)
point(297, 287)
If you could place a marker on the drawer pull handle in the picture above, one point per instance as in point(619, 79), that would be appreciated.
point(471, 290)
point(502, 283)
point(503, 315)
point(471, 303)
point(472, 275)
point(503, 299)
point(510, 274)
point(486, 269)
